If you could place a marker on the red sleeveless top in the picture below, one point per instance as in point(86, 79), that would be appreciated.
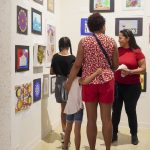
point(94, 58)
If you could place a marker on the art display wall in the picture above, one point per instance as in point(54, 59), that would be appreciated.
point(36, 26)
point(35, 29)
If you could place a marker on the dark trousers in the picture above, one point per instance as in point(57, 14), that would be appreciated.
point(129, 94)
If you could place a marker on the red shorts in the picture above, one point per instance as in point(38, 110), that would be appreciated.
point(101, 93)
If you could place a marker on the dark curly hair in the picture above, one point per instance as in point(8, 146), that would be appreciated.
point(128, 34)
point(95, 22)
point(65, 42)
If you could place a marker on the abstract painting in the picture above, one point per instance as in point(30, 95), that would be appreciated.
point(84, 27)
point(101, 5)
point(36, 90)
point(143, 78)
point(45, 85)
point(133, 4)
point(39, 55)
point(39, 1)
point(36, 21)
point(23, 97)
point(22, 20)
point(51, 44)
point(50, 5)
point(21, 58)
point(133, 24)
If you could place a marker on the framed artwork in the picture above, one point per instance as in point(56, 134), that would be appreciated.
point(21, 58)
point(39, 55)
point(51, 44)
point(84, 27)
point(39, 1)
point(101, 5)
point(22, 20)
point(36, 21)
point(53, 80)
point(36, 90)
point(50, 5)
point(45, 85)
point(133, 4)
point(23, 97)
point(143, 78)
point(133, 24)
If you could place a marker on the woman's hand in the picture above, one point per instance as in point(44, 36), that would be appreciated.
point(125, 72)
point(99, 71)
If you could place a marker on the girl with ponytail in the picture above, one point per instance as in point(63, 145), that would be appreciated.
point(61, 66)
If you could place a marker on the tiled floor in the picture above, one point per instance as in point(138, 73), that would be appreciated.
point(52, 141)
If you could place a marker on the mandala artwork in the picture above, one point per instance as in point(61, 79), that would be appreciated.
point(22, 20)
point(36, 90)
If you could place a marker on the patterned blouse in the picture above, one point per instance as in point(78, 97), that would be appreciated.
point(94, 58)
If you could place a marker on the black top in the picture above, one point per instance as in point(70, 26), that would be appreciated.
point(62, 64)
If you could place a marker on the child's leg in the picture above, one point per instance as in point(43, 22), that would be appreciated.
point(77, 130)
point(69, 123)
point(77, 133)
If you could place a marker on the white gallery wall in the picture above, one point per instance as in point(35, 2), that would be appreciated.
point(23, 130)
point(30, 126)
point(70, 22)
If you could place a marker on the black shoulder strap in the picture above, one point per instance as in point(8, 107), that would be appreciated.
point(104, 51)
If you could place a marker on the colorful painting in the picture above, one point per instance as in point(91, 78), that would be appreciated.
point(133, 24)
point(21, 58)
point(51, 44)
point(50, 5)
point(23, 97)
point(36, 21)
point(36, 90)
point(39, 55)
point(101, 5)
point(45, 85)
point(53, 80)
point(133, 4)
point(143, 82)
point(22, 20)
point(39, 1)
point(84, 27)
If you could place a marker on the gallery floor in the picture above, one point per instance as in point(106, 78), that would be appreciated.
point(52, 141)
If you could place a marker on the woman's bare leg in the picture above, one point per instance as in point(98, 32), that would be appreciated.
point(106, 124)
point(91, 108)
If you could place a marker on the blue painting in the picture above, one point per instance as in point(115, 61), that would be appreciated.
point(84, 27)
point(36, 90)
point(36, 21)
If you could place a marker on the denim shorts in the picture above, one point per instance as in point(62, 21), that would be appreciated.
point(78, 116)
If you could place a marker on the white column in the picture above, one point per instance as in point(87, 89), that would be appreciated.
point(5, 75)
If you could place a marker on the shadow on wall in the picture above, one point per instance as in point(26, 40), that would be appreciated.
point(123, 139)
point(46, 126)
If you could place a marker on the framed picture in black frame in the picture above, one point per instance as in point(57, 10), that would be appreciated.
point(39, 1)
point(133, 24)
point(53, 80)
point(36, 20)
point(21, 58)
point(101, 6)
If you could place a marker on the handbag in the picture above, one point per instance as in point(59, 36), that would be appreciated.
point(61, 94)
point(104, 51)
